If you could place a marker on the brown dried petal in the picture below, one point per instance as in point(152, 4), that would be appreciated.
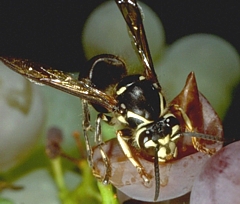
point(201, 114)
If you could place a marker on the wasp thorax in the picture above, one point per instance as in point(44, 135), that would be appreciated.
point(139, 101)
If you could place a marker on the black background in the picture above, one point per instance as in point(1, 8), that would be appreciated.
point(50, 31)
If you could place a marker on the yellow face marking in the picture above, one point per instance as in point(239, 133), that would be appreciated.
point(172, 147)
point(164, 140)
point(150, 143)
point(175, 129)
point(162, 152)
point(161, 160)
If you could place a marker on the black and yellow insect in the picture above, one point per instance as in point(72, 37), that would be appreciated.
point(134, 101)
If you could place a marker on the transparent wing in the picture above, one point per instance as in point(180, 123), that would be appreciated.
point(133, 17)
point(60, 80)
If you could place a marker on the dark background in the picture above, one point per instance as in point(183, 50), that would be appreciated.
point(50, 31)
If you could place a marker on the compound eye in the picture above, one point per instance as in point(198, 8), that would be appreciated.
point(146, 143)
point(171, 126)
point(171, 121)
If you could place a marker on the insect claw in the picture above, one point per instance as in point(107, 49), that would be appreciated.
point(144, 176)
point(146, 180)
point(105, 181)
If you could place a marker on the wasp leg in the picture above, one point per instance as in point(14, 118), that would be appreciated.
point(99, 141)
point(127, 151)
point(195, 141)
point(87, 127)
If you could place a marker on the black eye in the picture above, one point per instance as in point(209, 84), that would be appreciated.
point(171, 121)
point(145, 142)
point(145, 136)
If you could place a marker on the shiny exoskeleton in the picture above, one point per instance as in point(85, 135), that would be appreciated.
point(134, 101)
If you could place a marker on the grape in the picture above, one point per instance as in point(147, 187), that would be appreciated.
point(219, 180)
point(22, 117)
point(215, 62)
point(106, 32)
point(38, 187)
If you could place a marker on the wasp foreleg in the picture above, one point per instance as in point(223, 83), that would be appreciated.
point(127, 151)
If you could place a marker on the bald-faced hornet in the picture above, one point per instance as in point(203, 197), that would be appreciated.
point(150, 128)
